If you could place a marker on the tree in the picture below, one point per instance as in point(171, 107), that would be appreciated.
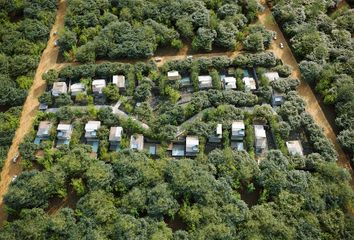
point(99, 176)
point(33, 189)
point(46, 98)
point(346, 139)
point(67, 40)
point(98, 206)
point(254, 42)
point(63, 100)
point(204, 39)
point(216, 81)
point(160, 202)
point(111, 92)
point(50, 76)
point(185, 27)
point(142, 92)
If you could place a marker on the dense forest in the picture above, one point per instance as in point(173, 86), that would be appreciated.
point(25, 27)
point(322, 40)
point(136, 28)
point(220, 194)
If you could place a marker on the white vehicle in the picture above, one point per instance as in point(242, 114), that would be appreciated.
point(13, 178)
point(189, 57)
point(56, 43)
point(14, 159)
point(281, 45)
point(158, 59)
point(275, 37)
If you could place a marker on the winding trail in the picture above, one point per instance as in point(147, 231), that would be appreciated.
point(48, 61)
point(312, 105)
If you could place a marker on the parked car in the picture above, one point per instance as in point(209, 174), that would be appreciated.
point(158, 59)
point(275, 37)
point(56, 43)
point(13, 178)
point(281, 45)
point(189, 57)
point(14, 159)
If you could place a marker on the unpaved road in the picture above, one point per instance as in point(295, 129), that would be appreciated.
point(304, 90)
point(48, 61)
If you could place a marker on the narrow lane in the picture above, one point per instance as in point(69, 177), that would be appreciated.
point(48, 61)
point(312, 105)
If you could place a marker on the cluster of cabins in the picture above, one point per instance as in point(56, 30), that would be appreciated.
point(188, 146)
point(97, 85)
point(229, 82)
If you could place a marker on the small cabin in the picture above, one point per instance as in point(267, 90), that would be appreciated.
point(64, 132)
point(295, 148)
point(77, 88)
point(250, 83)
point(137, 142)
point(59, 88)
point(205, 82)
point(119, 81)
point(237, 130)
point(230, 83)
point(98, 85)
point(173, 75)
point(91, 129)
point(261, 138)
point(115, 137)
point(271, 76)
point(43, 132)
point(192, 145)
point(217, 136)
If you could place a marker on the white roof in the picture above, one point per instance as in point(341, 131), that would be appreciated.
point(259, 131)
point(92, 125)
point(59, 87)
point(230, 82)
point(137, 142)
point(119, 80)
point(271, 76)
point(206, 78)
point(192, 143)
point(119, 131)
point(238, 125)
point(219, 129)
point(173, 74)
point(77, 87)
point(250, 83)
point(99, 83)
point(295, 147)
point(63, 127)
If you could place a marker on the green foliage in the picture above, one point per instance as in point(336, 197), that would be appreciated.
point(216, 80)
point(111, 92)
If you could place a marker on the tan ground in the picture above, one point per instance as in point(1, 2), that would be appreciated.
point(48, 61)
point(305, 91)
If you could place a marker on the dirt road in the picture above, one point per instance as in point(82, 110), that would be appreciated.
point(48, 61)
point(304, 90)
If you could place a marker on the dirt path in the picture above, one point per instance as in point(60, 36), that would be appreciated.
point(48, 61)
point(304, 90)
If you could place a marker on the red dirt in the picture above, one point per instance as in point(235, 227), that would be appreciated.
point(48, 61)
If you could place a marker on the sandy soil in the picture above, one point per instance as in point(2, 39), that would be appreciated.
point(304, 90)
point(48, 61)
